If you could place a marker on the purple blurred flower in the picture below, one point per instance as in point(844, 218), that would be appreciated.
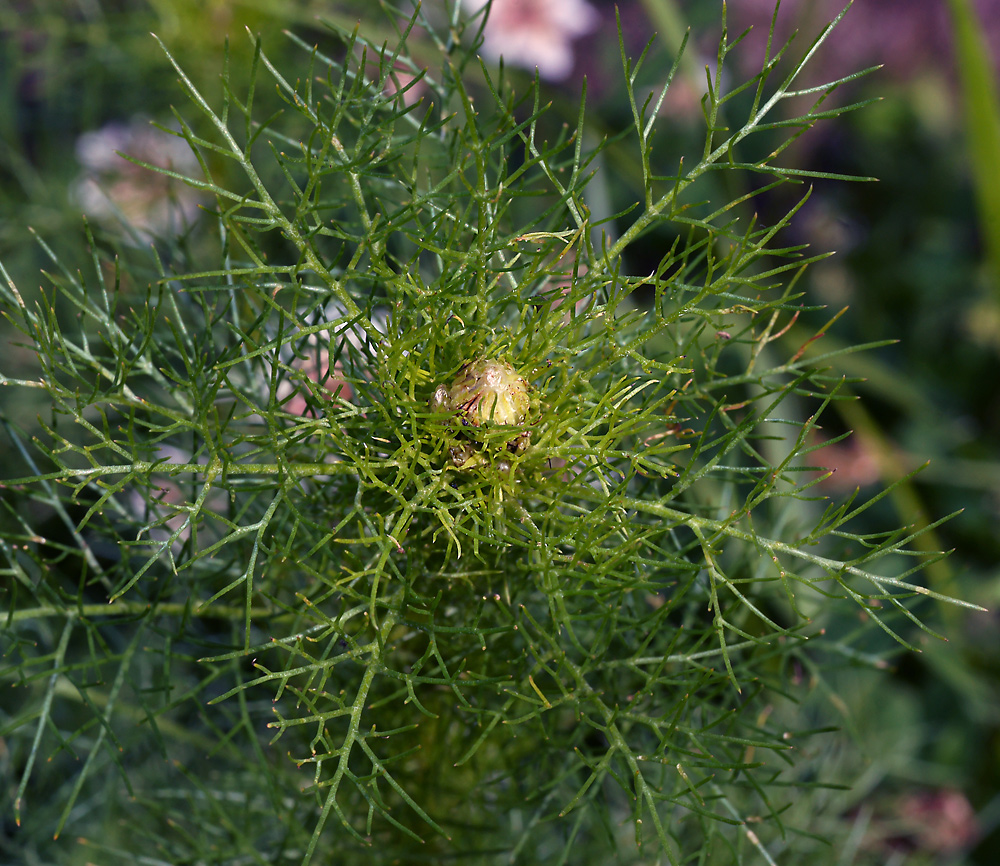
point(908, 36)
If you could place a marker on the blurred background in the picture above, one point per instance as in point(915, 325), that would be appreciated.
point(917, 261)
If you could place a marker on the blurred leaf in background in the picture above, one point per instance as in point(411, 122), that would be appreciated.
point(920, 266)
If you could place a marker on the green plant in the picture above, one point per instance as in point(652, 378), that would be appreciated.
point(255, 528)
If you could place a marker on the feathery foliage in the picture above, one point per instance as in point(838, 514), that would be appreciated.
point(257, 608)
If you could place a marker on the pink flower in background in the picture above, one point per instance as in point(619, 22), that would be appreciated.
point(401, 82)
point(535, 33)
point(112, 188)
point(291, 394)
point(853, 463)
point(928, 822)
point(307, 380)
point(940, 819)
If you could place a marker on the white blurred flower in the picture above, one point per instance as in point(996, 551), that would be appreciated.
point(535, 33)
point(111, 188)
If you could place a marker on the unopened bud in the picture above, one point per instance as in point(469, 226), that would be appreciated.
point(486, 392)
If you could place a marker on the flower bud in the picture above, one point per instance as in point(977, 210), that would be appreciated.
point(485, 392)
point(489, 391)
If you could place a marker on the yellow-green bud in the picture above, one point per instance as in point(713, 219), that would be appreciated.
point(485, 392)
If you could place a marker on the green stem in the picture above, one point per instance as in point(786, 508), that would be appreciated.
point(120, 607)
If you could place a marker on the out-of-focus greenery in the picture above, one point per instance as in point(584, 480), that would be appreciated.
point(916, 263)
point(916, 267)
point(913, 264)
point(913, 267)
